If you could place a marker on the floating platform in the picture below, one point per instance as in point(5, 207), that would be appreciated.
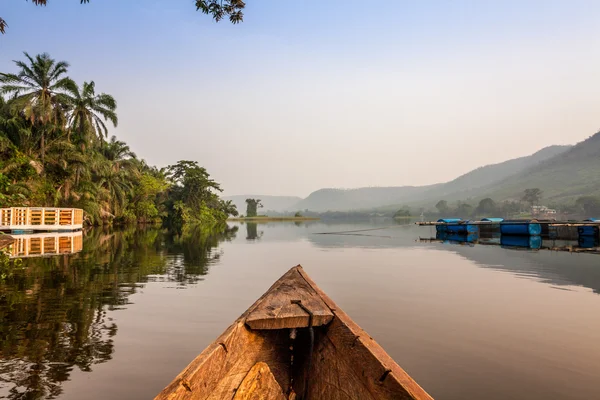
point(20, 220)
point(552, 228)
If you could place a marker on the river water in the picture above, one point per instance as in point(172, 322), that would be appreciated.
point(124, 316)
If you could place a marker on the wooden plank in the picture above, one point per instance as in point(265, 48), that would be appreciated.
point(259, 384)
point(276, 309)
point(357, 351)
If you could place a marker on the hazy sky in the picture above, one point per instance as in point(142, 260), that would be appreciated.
point(337, 93)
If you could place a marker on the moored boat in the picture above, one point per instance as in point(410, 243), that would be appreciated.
point(294, 342)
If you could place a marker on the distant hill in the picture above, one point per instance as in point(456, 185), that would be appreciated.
point(563, 178)
point(479, 181)
point(270, 203)
point(463, 187)
point(357, 199)
point(562, 172)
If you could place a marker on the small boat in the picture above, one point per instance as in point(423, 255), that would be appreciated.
point(293, 343)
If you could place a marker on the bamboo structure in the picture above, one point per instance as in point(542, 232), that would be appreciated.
point(45, 219)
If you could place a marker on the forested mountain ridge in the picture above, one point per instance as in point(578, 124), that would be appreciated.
point(467, 185)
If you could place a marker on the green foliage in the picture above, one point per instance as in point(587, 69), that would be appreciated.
point(486, 207)
point(193, 198)
point(442, 206)
point(532, 196)
point(298, 214)
point(252, 206)
point(53, 152)
point(402, 213)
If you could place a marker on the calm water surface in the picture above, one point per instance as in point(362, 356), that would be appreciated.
point(122, 318)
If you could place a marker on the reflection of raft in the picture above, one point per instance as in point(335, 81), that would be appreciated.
point(456, 225)
point(294, 342)
point(529, 242)
point(46, 244)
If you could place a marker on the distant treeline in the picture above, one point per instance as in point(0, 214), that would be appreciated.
point(585, 205)
point(588, 206)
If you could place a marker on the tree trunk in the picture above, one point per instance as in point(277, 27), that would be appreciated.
point(43, 147)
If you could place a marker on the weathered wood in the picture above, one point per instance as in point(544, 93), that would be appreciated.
point(219, 370)
point(245, 363)
point(358, 352)
point(276, 310)
point(259, 384)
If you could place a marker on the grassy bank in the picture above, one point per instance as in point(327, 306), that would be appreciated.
point(272, 219)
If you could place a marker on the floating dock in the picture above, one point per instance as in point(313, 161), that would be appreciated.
point(40, 219)
point(532, 227)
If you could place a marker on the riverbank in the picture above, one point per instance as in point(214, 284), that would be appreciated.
point(271, 219)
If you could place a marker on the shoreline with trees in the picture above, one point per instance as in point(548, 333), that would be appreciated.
point(55, 152)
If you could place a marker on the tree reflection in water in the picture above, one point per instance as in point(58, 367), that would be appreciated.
point(53, 311)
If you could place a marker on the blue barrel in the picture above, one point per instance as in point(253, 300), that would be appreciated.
point(444, 228)
point(588, 242)
point(525, 228)
point(588, 230)
point(462, 228)
point(494, 220)
point(527, 242)
point(456, 237)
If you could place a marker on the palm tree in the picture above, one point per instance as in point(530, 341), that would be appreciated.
point(40, 91)
point(86, 110)
point(119, 154)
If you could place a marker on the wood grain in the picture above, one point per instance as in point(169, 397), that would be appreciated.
point(276, 310)
point(259, 384)
point(356, 351)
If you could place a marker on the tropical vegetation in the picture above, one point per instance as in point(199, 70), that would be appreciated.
point(55, 152)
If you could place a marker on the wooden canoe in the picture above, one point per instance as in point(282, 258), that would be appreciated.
point(293, 343)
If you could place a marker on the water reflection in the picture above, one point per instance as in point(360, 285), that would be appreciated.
point(562, 266)
point(252, 232)
point(53, 311)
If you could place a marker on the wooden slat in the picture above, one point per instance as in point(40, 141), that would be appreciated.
point(276, 310)
point(259, 384)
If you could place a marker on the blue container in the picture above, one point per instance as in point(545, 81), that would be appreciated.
point(456, 237)
point(588, 230)
point(520, 228)
point(588, 242)
point(527, 242)
point(463, 228)
point(495, 220)
point(444, 228)
point(592, 220)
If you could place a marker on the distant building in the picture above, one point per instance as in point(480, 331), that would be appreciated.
point(542, 210)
